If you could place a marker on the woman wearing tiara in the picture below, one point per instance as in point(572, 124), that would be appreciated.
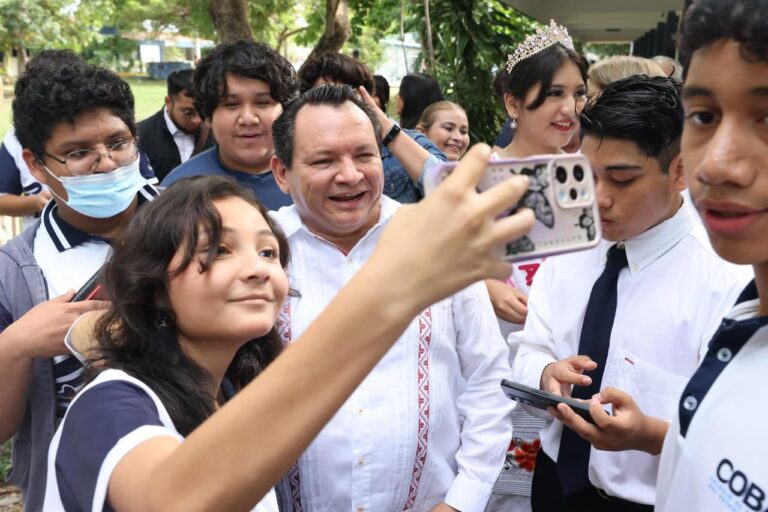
point(544, 87)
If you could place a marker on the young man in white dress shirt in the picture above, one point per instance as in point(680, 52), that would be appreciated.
point(428, 428)
point(669, 287)
point(713, 458)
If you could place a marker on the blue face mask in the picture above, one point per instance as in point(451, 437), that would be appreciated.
point(102, 195)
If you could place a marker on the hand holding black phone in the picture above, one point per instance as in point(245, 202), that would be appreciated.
point(542, 399)
point(90, 290)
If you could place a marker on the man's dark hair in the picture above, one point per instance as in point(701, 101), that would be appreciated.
point(644, 110)
point(180, 81)
point(56, 87)
point(335, 95)
point(381, 88)
point(337, 68)
point(418, 91)
point(541, 67)
point(247, 59)
point(707, 21)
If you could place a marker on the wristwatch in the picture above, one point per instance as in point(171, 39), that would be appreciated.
point(390, 136)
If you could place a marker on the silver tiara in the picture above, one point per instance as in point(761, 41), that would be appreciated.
point(541, 40)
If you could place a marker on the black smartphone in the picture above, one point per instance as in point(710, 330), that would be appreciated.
point(90, 289)
point(542, 399)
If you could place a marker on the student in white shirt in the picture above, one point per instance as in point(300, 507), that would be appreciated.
point(428, 428)
point(669, 289)
point(206, 292)
point(713, 456)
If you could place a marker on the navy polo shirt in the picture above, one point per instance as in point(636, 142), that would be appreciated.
point(208, 163)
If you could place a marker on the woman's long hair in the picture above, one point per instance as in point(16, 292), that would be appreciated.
point(417, 91)
point(138, 333)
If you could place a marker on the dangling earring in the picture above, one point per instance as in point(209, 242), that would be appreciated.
point(513, 123)
point(164, 322)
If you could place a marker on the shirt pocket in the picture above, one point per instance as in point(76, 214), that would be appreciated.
point(655, 390)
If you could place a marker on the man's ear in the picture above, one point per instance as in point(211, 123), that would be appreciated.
point(168, 102)
point(512, 105)
point(35, 166)
point(280, 172)
point(677, 173)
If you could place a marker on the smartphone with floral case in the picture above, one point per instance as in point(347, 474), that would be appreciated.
point(561, 194)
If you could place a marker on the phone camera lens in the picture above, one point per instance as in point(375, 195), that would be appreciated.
point(561, 174)
point(578, 172)
point(574, 194)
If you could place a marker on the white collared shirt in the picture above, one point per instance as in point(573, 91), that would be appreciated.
point(429, 423)
point(185, 142)
point(668, 296)
point(719, 464)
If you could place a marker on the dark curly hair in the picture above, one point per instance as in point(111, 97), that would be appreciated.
point(56, 87)
point(642, 109)
point(244, 58)
point(706, 21)
point(541, 67)
point(337, 68)
point(138, 333)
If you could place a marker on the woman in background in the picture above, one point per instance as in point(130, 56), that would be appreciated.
point(417, 91)
point(445, 123)
point(607, 71)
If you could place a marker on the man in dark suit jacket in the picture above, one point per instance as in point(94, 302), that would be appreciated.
point(176, 132)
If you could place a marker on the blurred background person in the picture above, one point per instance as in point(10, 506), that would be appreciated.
point(334, 68)
point(445, 123)
point(176, 132)
point(603, 73)
point(417, 91)
point(670, 66)
point(381, 92)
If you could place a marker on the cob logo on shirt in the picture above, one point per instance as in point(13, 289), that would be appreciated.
point(736, 489)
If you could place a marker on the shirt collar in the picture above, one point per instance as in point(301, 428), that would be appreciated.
point(66, 236)
point(290, 221)
point(647, 247)
point(175, 132)
point(169, 122)
point(747, 305)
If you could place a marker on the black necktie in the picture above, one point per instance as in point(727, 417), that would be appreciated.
point(573, 458)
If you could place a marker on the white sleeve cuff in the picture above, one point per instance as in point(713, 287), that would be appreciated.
point(468, 495)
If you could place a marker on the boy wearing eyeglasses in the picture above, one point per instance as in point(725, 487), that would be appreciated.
point(76, 127)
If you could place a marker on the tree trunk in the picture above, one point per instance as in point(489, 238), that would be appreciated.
point(21, 59)
point(337, 28)
point(230, 19)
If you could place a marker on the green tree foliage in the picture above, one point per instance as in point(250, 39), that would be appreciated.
point(41, 24)
point(471, 40)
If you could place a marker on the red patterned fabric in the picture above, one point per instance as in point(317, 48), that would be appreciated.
point(425, 336)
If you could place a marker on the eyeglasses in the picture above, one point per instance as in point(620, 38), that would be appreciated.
point(82, 162)
point(189, 112)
